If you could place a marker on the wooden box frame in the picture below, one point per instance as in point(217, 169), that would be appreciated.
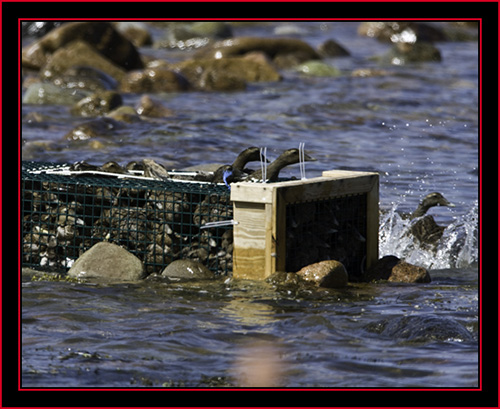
point(260, 216)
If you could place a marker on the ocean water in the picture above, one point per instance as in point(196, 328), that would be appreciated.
point(417, 125)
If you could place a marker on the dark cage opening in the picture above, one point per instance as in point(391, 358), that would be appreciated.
point(330, 229)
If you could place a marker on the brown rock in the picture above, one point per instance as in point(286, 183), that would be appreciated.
point(391, 268)
point(226, 74)
point(328, 273)
point(404, 272)
point(150, 107)
point(76, 54)
point(100, 35)
point(159, 79)
point(97, 104)
point(282, 51)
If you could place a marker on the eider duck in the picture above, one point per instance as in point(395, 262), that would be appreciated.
point(236, 172)
point(425, 229)
point(288, 157)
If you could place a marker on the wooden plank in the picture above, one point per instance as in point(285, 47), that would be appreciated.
point(249, 253)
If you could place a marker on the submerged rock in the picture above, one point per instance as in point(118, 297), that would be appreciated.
point(328, 273)
point(45, 93)
point(97, 104)
point(185, 270)
point(404, 53)
point(107, 261)
point(391, 268)
point(318, 69)
point(331, 48)
point(421, 328)
point(103, 126)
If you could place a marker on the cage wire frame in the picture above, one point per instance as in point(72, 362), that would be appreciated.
point(158, 221)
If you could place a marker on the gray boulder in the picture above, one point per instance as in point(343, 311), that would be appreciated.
point(109, 262)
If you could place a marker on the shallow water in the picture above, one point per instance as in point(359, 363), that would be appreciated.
point(417, 126)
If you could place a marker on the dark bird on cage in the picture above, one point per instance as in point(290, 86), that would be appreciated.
point(288, 157)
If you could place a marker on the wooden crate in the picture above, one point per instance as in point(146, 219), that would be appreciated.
point(269, 217)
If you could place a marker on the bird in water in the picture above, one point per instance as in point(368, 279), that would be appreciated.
point(425, 229)
point(288, 157)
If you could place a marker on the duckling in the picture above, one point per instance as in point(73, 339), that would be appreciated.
point(288, 157)
point(426, 230)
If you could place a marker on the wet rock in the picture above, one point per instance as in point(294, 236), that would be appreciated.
point(404, 272)
point(85, 78)
point(226, 74)
point(393, 269)
point(422, 328)
point(152, 108)
point(136, 32)
point(45, 93)
point(159, 79)
point(99, 35)
point(328, 273)
point(404, 53)
point(97, 127)
point(76, 54)
point(125, 114)
point(397, 31)
point(38, 28)
point(97, 104)
point(284, 52)
point(283, 278)
point(318, 69)
point(107, 261)
point(195, 35)
point(185, 270)
point(331, 48)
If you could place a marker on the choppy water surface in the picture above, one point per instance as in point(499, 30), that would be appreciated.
point(417, 126)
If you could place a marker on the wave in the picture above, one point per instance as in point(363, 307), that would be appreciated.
point(457, 248)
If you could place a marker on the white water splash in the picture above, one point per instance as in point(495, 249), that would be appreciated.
point(457, 248)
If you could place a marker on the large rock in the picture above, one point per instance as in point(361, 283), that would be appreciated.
point(185, 270)
point(99, 103)
point(391, 268)
point(226, 74)
point(284, 52)
point(100, 35)
point(109, 262)
point(328, 273)
point(77, 54)
point(157, 79)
